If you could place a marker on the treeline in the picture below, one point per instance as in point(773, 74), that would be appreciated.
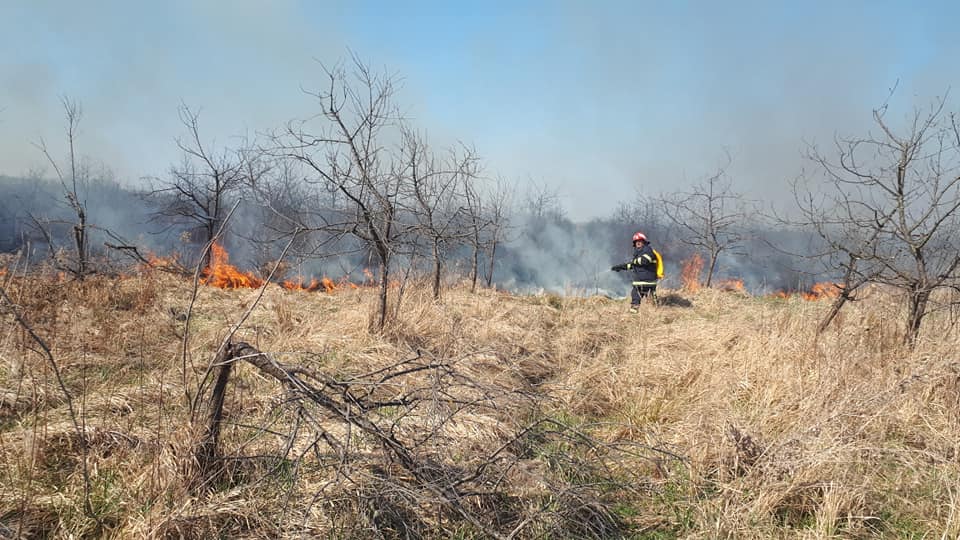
point(539, 250)
point(355, 185)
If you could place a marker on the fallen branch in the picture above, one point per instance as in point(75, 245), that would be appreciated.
point(349, 408)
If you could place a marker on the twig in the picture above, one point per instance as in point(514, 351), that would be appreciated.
point(236, 326)
point(193, 299)
point(11, 308)
point(348, 409)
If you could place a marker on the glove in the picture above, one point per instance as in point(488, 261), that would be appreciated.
point(619, 267)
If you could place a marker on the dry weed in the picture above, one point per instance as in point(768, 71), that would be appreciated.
point(713, 415)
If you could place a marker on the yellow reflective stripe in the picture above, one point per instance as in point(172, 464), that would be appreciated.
point(644, 282)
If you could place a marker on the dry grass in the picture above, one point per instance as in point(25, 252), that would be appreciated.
point(727, 418)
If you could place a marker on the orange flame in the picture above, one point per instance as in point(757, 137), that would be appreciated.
point(731, 285)
point(155, 261)
point(327, 284)
point(817, 291)
point(824, 289)
point(690, 272)
point(298, 285)
point(220, 273)
point(324, 284)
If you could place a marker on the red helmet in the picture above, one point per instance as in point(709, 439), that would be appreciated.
point(639, 236)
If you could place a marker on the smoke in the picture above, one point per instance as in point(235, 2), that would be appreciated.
point(624, 96)
point(601, 103)
point(131, 66)
point(27, 204)
point(540, 253)
point(568, 258)
point(758, 79)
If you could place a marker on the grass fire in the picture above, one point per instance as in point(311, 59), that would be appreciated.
point(221, 274)
point(253, 288)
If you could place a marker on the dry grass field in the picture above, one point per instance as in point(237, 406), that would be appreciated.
point(714, 415)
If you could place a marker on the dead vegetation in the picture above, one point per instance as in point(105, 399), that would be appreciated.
point(480, 415)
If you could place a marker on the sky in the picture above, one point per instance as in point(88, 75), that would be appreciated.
point(597, 100)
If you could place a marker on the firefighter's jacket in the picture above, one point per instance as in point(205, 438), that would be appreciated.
point(644, 265)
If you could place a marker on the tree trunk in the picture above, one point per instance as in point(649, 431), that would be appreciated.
point(918, 309)
point(711, 267)
point(493, 253)
point(80, 237)
point(846, 292)
point(437, 266)
point(207, 451)
point(384, 285)
point(838, 303)
point(209, 230)
point(475, 269)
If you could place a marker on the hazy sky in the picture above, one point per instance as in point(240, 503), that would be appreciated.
point(595, 98)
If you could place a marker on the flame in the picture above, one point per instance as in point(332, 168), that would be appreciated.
point(220, 273)
point(690, 272)
point(368, 274)
point(161, 262)
point(824, 289)
point(155, 261)
point(817, 291)
point(324, 284)
point(731, 285)
point(3, 272)
point(298, 285)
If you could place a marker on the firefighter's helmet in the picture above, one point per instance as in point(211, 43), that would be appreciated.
point(637, 236)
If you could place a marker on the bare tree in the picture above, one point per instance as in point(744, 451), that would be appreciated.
point(541, 203)
point(643, 209)
point(497, 209)
point(280, 205)
point(72, 178)
point(488, 207)
point(844, 243)
point(275, 184)
point(346, 155)
point(891, 206)
point(437, 197)
point(644, 213)
point(288, 205)
point(198, 189)
point(709, 217)
point(476, 225)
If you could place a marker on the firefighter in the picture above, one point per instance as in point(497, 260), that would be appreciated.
point(647, 267)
